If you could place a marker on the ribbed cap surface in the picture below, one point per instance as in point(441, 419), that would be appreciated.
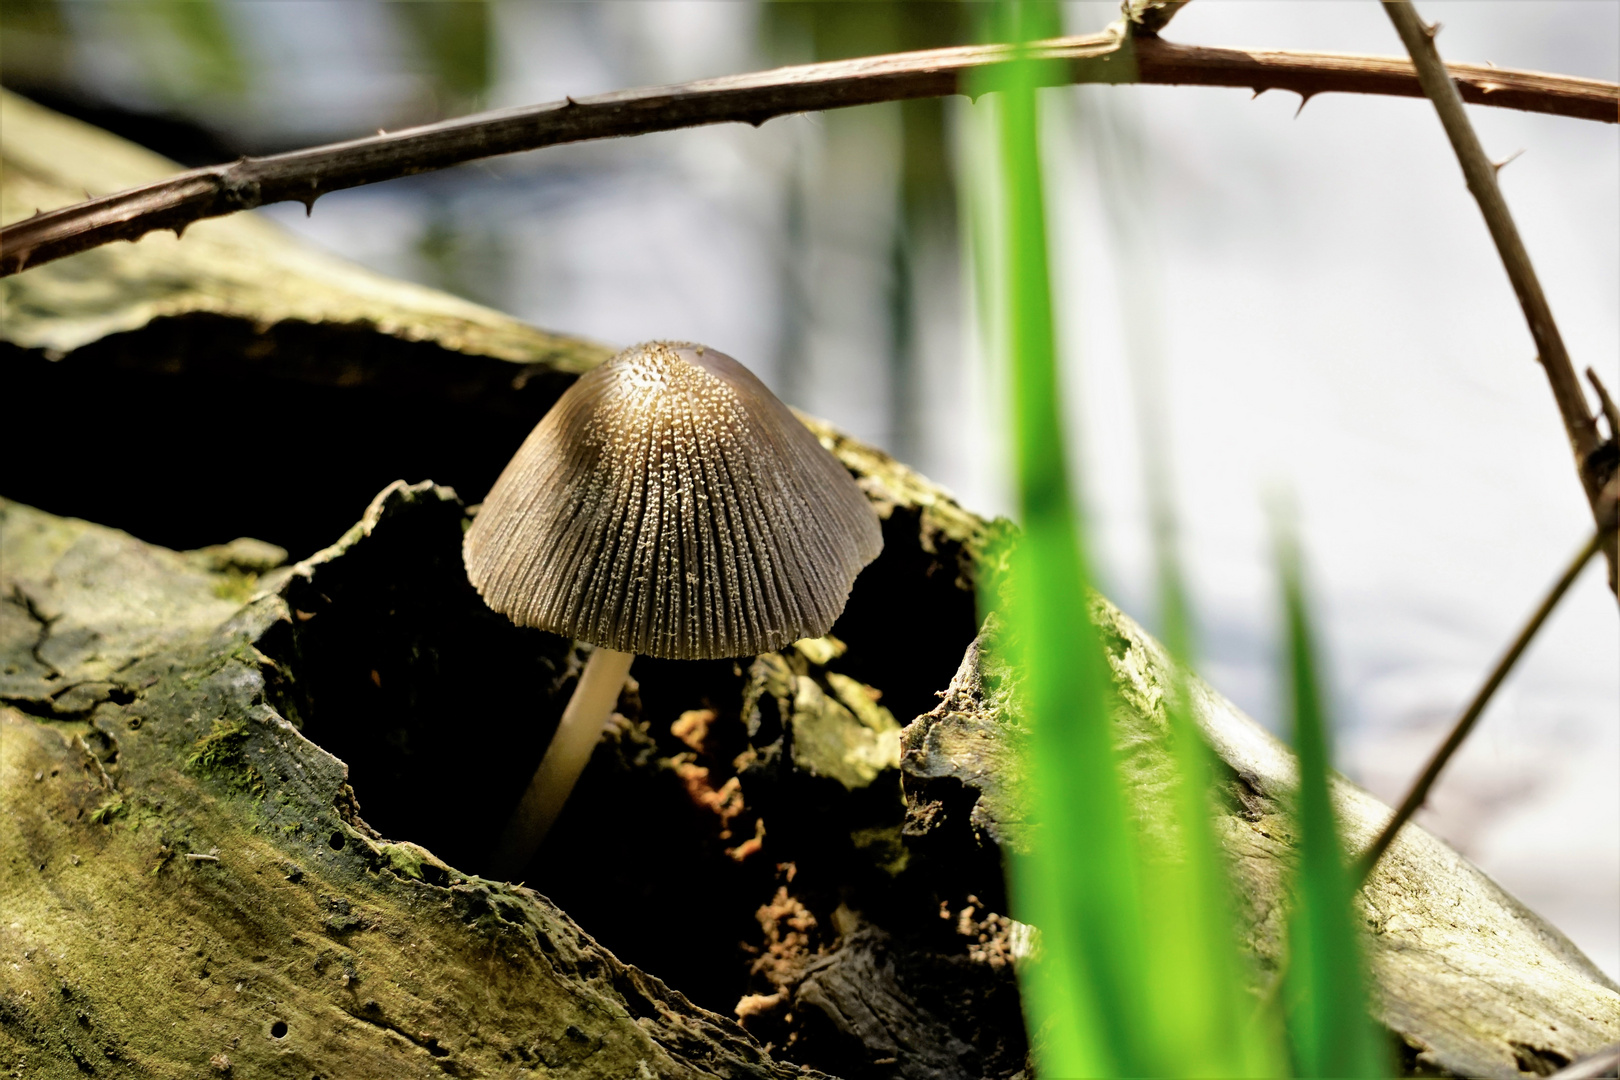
point(670, 505)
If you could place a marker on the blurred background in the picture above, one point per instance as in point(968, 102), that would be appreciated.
point(1310, 302)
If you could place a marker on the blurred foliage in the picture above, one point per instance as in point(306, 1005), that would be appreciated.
point(1087, 999)
point(452, 37)
point(1140, 971)
point(802, 31)
point(185, 46)
point(33, 41)
point(174, 58)
point(463, 254)
point(1325, 993)
point(190, 57)
point(1221, 1031)
point(798, 31)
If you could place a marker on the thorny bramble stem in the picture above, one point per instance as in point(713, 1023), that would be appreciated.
point(1480, 173)
point(305, 175)
point(1465, 723)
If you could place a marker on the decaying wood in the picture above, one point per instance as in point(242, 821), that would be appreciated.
point(179, 201)
point(1470, 981)
point(187, 883)
point(265, 323)
point(195, 742)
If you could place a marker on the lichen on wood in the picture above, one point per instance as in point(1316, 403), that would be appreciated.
point(1468, 980)
point(186, 881)
point(195, 742)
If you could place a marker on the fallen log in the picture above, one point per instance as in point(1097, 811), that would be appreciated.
point(264, 792)
point(188, 886)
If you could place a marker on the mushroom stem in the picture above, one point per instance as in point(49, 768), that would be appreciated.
point(577, 734)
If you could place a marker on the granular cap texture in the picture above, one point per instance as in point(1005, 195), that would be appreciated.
point(670, 505)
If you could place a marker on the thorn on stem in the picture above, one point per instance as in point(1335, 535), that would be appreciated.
point(1258, 91)
point(1304, 98)
point(1431, 30)
point(1497, 166)
point(1611, 412)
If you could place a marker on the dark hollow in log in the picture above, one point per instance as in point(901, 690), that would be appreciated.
point(441, 708)
point(181, 413)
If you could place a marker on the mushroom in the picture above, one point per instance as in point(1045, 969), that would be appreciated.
point(668, 505)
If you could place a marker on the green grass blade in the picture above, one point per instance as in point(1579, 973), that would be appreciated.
point(1087, 994)
point(1207, 1021)
point(1325, 993)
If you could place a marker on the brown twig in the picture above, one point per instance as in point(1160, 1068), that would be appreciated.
point(1149, 16)
point(1610, 411)
point(1465, 723)
point(1480, 173)
point(305, 175)
point(1605, 462)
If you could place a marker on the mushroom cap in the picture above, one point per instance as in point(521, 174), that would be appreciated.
point(670, 505)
